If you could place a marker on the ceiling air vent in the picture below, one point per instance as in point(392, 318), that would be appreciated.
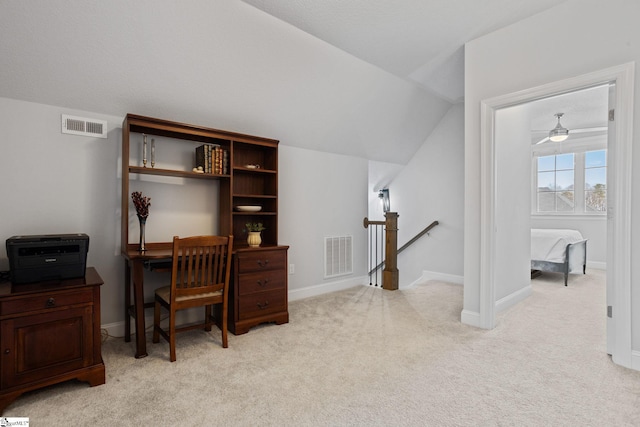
point(82, 126)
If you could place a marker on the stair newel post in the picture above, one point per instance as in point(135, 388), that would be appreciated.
point(390, 272)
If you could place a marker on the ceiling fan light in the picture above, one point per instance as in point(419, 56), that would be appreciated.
point(558, 133)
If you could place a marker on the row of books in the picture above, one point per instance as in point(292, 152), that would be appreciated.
point(212, 159)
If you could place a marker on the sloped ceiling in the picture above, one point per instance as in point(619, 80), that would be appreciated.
point(421, 40)
point(227, 64)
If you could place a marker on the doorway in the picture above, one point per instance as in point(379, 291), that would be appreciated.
point(494, 222)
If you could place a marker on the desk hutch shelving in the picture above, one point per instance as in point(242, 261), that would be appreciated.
point(251, 180)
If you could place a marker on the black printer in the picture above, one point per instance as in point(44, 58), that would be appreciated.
point(47, 257)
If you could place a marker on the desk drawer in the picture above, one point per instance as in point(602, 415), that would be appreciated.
point(262, 303)
point(261, 260)
point(260, 281)
point(44, 301)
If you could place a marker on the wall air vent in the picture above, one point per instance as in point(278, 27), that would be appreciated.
point(82, 126)
point(338, 256)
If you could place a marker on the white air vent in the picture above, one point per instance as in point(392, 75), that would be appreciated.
point(338, 256)
point(85, 127)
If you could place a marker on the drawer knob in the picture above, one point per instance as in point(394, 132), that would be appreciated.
point(263, 306)
point(6, 351)
point(263, 263)
point(51, 302)
point(263, 284)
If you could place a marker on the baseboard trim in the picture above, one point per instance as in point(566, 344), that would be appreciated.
point(471, 318)
point(635, 360)
point(596, 265)
point(323, 288)
point(445, 277)
point(513, 299)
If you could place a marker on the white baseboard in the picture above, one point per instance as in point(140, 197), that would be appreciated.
point(635, 360)
point(471, 318)
point(596, 265)
point(513, 299)
point(450, 278)
point(323, 288)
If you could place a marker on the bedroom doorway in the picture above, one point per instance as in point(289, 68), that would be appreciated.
point(495, 224)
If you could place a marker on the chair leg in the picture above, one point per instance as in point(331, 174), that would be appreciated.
point(156, 322)
point(207, 318)
point(223, 323)
point(172, 335)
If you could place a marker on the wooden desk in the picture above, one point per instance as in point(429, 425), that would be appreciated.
point(50, 333)
point(134, 264)
point(258, 288)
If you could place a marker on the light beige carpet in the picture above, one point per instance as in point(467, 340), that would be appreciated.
point(370, 357)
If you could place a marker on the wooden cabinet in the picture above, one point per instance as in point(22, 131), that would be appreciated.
point(259, 288)
point(49, 333)
point(248, 193)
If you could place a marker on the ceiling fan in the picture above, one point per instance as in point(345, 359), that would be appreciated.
point(560, 133)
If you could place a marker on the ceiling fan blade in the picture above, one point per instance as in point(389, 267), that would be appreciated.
point(542, 141)
point(586, 130)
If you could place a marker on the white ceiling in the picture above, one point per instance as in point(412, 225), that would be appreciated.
point(421, 40)
point(369, 78)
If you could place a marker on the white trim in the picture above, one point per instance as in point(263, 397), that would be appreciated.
point(513, 299)
point(471, 318)
point(323, 288)
point(444, 277)
point(619, 209)
point(596, 265)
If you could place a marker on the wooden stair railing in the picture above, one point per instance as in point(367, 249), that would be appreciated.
point(391, 251)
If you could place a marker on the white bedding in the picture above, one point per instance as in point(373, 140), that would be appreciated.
point(551, 245)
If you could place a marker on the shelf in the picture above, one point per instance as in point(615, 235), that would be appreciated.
point(171, 172)
point(252, 170)
point(256, 196)
point(261, 213)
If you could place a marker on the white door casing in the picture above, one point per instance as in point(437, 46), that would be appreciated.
point(619, 205)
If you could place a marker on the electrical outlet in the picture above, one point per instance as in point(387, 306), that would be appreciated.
point(292, 268)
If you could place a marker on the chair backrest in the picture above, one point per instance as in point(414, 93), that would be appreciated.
point(201, 264)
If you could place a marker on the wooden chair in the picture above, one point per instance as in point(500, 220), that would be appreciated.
point(200, 272)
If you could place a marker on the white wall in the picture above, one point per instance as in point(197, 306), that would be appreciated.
point(57, 183)
point(321, 195)
point(590, 35)
point(513, 202)
point(429, 188)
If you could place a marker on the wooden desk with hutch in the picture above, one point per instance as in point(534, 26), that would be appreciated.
point(258, 291)
point(49, 333)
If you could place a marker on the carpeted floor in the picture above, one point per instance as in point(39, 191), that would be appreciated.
point(364, 356)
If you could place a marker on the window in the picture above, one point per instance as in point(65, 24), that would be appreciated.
point(595, 181)
point(556, 183)
point(571, 182)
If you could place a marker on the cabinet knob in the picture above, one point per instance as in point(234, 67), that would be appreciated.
point(263, 284)
point(6, 351)
point(263, 306)
point(51, 302)
point(263, 263)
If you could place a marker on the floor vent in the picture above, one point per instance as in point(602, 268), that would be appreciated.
point(338, 256)
point(86, 127)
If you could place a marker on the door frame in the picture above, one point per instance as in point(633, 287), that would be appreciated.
point(619, 206)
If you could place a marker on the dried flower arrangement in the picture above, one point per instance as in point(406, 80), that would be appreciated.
point(141, 203)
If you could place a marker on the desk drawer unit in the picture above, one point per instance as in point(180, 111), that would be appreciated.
point(259, 288)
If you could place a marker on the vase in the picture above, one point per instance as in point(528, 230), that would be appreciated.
point(254, 239)
point(143, 223)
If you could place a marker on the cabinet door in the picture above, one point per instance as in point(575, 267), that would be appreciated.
point(44, 345)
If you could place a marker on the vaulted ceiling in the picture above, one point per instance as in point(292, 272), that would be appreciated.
point(420, 40)
point(369, 78)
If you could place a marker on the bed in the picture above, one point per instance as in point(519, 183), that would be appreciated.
point(558, 251)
